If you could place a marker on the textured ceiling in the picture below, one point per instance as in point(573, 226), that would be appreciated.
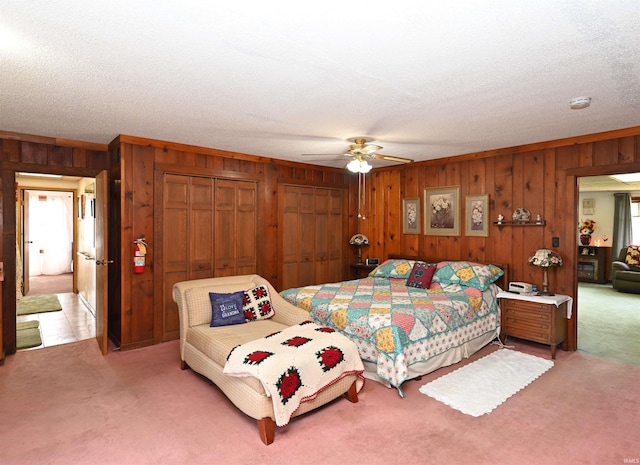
point(279, 79)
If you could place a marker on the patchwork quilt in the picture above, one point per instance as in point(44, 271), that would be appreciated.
point(394, 325)
point(294, 365)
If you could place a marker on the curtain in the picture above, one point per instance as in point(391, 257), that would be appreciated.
point(50, 233)
point(621, 222)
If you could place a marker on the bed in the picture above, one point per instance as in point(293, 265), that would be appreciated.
point(410, 317)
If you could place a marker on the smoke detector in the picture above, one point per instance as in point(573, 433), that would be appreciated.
point(579, 103)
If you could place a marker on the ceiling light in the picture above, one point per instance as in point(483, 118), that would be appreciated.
point(41, 175)
point(359, 166)
point(629, 177)
point(579, 103)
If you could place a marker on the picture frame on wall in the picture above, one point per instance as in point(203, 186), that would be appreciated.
point(442, 211)
point(589, 207)
point(477, 215)
point(411, 216)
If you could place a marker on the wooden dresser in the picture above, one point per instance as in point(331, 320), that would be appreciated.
point(534, 320)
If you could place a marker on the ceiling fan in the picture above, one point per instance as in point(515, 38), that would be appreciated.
point(360, 152)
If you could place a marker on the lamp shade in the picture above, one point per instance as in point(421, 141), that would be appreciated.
point(359, 239)
point(545, 258)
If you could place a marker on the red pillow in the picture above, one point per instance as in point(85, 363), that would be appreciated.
point(633, 255)
point(421, 275)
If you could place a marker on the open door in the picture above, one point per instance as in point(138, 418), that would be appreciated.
point(102, 262)
point(26, 242)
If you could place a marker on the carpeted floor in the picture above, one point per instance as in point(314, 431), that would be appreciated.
point(51, 284)
point(70, 405)
point(30, 304)
point(609, 323)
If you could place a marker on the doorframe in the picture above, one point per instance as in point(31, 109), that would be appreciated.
point(20, 227)
point(576, 173)
point(9, 170)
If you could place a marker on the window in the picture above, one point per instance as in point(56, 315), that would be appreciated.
point(635, 220)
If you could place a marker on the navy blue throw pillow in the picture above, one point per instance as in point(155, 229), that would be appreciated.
point(226, 309)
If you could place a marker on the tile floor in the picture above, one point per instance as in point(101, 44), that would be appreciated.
point(74, 322)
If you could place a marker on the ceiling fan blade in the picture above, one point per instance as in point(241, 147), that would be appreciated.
point(323, 154)
point(363, 149)
point(379, 156)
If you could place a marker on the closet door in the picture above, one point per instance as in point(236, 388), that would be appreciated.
point(175, 240)
point(201, 228)
point(235, 227)
point(209, 229)
point(298, 236)
point(335, 237)
point(311, 241)
point(321, 257)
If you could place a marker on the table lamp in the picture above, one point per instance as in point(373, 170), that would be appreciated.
point(359, 240)
point(545, 258)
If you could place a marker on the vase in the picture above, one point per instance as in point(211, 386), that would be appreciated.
point(585, 239)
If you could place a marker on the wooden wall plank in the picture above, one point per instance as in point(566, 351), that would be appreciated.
point(605, 152)
point(60, 156)
point(33, 153)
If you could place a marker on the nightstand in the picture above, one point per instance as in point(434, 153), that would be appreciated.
point(361, 270)
point(535, 318)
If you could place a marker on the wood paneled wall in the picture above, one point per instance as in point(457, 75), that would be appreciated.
point(136, 163)
point(540, 177)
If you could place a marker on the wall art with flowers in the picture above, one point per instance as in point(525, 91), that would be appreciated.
point(442, 211)
point(477, 215)
point(411, 216)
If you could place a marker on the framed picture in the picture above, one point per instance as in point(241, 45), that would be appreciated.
point(589, 206)
point(411, 216)
point(442, 211)
point(477, 215)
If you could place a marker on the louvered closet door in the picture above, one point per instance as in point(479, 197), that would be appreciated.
point(335, 236)
point(311, 241)
point(236, 228)
point(321, 256)
point(298, 235)
point(201, 228)
point(175, 247)
point(209, 229)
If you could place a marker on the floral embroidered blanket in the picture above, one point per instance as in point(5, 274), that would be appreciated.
point(294, 365)
point(394, 325)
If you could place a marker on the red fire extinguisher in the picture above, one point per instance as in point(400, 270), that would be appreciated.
point(139, 254)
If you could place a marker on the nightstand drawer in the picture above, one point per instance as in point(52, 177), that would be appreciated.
point(525, 305)
point(528, 333)
point(525, 313)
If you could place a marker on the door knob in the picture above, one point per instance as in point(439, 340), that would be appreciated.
point(103, 262)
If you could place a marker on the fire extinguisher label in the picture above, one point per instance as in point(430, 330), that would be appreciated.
point(138, 261)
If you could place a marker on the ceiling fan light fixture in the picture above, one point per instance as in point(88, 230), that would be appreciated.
point(359, 166)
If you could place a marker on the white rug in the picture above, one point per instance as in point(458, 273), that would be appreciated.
point(481, 386)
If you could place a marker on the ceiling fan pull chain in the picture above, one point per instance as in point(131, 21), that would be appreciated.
point(363, 192)
point(359, 195)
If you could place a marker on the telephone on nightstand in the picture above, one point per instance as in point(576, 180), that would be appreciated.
point(521, 288)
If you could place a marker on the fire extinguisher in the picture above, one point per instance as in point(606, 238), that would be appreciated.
point(139, 254)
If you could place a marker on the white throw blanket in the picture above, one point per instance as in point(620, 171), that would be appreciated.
point(295, 364)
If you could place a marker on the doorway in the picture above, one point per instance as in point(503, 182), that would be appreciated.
point(52, 224)
point(607, 324)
